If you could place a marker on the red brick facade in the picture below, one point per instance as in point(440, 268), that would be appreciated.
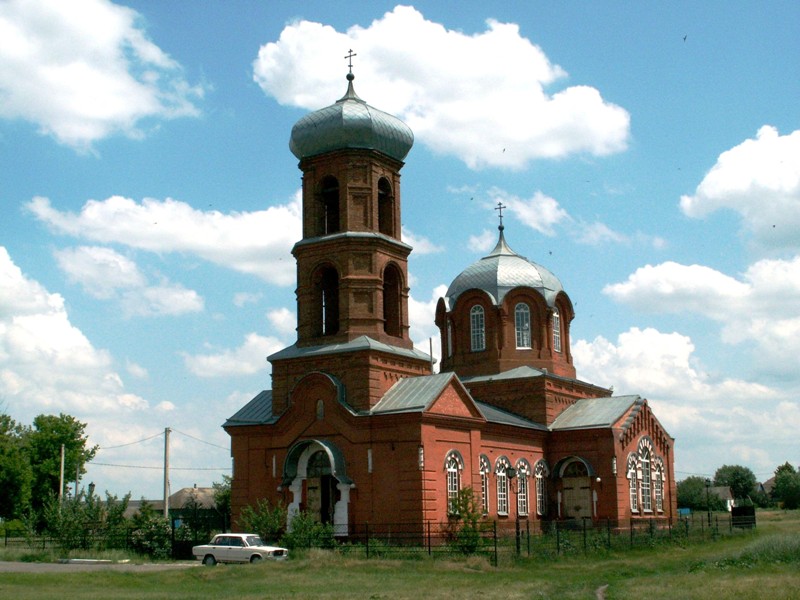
point(357, 429)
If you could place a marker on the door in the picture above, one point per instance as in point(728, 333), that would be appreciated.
point(577, 492)
point(320, 488)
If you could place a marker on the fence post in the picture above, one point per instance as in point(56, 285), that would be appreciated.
point(366, 531)
point(608, 531)
point(558, 539)
point(429, 538)
point(494, 531)
point(528, 527)
point(631, 533)
point(584, 536)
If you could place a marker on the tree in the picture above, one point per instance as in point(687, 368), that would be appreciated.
point(43, 443)
point(787, 486)
point(692, 493)
point(15, 470)
point(222, 498)
point(264, 519)
point(741, 480)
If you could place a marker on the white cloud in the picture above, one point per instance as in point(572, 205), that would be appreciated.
point(713, 420)
point(485, 98)
point(136, 370)
point(283, 320)
point(247, 359)
point(759, 179)
point(257, 243)
point(483, 242)
point(421, 316)
point(84, 70)
point(241, 299)
point(762, 308)
point(595, 234)
point(106, 274)
point(46, 363)
point(540, 212)
point(420, 244)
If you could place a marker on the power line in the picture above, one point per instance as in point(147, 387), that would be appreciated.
point(159, 468)
point(199, 440)
point(160, 433)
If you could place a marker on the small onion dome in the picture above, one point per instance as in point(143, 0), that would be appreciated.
point(501, 271)
point(350, 123)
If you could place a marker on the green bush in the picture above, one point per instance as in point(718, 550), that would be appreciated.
point(306, 532)
point(264, 519)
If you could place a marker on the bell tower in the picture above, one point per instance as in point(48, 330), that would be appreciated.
point(352, 266)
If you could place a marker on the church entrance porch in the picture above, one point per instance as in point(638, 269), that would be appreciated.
point(314, 472)
point(576, 499)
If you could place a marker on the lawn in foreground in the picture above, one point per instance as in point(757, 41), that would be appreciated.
point(762, 564)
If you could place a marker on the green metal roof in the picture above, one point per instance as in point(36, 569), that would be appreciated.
point(350, 123)
point(592, 413)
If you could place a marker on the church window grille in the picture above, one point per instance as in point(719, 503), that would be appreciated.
point(485, 469)
point(556, 330)
point(644, 461)
point(326, 300)
point(477, 328)
point(659, 489)
point(522, 325)
point(502, 485)
point(632, 484)
point(453, 466)
point(540, 474)
point(523, 497)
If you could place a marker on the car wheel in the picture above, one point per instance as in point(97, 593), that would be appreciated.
point(209, 560)
point(256, 558)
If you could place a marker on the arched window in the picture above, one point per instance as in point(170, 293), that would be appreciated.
point(477, 329)
point(453, 465)
point(391, 301)
point(658, 483)
point(385, 207)
point(540, 474)
point(326, 301)
point(645, 469)
point(449, 338)
point(485, 469)
point(632, 483)
point(523, 498)
point(500, 471)
point(328, 221)
point(522, 325)
point(556, 330)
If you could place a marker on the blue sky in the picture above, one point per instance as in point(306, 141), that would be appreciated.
point(649, 155)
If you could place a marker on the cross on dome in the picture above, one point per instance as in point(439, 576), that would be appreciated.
point(499, 208)
point(349, 56)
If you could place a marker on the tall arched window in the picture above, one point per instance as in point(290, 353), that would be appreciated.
point(632, 483)
point(328, 221)
point(540, 474)
point(477, 328)
point(658, 484)
point(449, 338)
point(522, 325)
point(391, 301)
point(523, 497)
point(453, 465)
point(326, 301)
point(385, 207)
point(644, 462)
point(500, 472)
point(556, 330)
point(485, 469)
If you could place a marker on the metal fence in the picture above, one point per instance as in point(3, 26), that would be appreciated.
point(497, 541)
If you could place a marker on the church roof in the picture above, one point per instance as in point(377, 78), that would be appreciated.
point(350, 123)
point(256, 412)
point(413, 394)
point(522, 372)
point(593, 413)
point(501, 271)
point(360, 343)
point(497, 415)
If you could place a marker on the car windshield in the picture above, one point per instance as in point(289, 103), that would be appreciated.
point(254, 540)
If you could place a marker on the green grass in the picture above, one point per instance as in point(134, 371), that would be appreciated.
point(760, 564)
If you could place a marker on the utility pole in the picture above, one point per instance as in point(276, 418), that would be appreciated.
point(61, 477)
point(166, 472)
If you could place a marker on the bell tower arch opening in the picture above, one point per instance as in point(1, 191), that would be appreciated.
point(392, 312)
point(386, 208)
point(326, 301)
point(328, 206)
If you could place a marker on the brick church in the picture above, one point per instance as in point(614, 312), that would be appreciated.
point(358, 428)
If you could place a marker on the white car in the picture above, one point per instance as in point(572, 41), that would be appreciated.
point(237, 547)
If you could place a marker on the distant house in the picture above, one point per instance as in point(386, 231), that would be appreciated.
point(203, 496)
point(724, 493)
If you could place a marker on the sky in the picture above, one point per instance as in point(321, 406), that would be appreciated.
point(648, 154)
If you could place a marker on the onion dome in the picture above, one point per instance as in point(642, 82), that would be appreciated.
point(501, 271)
point(350, 123)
